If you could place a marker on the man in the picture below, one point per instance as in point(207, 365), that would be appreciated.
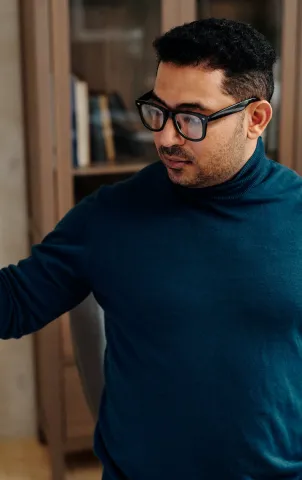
point(197, 262)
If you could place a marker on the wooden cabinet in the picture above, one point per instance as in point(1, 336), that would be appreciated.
point(103, 48)
point(108, 45)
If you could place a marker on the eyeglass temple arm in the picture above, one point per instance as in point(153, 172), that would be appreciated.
point(146, 96)
point(238, 107)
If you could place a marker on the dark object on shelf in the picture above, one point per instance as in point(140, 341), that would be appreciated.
point(125, 135)
point(97, 141)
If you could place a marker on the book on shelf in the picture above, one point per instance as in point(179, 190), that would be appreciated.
point(103, 129)
point(80, 122)
point(107, 127)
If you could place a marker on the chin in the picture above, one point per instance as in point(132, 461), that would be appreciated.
point(178, 177)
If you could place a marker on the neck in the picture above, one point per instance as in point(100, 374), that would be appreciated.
point(253, 169)
point(250, 149)
point(249, 152)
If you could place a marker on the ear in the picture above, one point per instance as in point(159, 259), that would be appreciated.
point(259, 116)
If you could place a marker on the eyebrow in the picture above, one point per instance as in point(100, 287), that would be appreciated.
point(195, 105)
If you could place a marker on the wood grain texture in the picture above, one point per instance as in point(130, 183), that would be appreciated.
point(28, 460)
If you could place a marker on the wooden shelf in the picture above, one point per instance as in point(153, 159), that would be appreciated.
point(52, 42)
point(109, 168)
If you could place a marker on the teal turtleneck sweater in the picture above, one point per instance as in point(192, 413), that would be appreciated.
point(202, 292)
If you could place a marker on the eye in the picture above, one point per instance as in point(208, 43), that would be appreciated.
point(191, 119)
point(155, 112)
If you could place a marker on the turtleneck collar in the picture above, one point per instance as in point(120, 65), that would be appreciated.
point(250, 175)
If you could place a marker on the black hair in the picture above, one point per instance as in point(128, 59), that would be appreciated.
point(244, 54)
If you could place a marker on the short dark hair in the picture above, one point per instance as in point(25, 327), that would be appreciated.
point(244, 54)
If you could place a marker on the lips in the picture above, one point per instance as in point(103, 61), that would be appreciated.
point(176, 164)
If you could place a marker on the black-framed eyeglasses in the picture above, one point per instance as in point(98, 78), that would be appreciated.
point(191, 125)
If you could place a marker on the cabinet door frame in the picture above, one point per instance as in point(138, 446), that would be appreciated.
point(172, 13)
point(290, 120)
point(35, 56)
point(296, 63)
point(290, 60)
point(176, 12)
point(38, 119)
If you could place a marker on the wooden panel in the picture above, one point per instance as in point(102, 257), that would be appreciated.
point(68, 352)
point(59, 19)
point(297, 109)
point(289, 67)
point(104, 57)
point(109, 169)
point(79, 444)
point(35, 44)
point(26, 459)
point(37, 111)
point(188, 11)
point(170, 14)
point(79, 422)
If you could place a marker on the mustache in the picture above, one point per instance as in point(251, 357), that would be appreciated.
point(175, 151)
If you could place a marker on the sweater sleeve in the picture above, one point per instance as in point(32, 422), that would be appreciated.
point(52, 280)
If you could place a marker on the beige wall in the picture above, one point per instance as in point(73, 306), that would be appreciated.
point(17, 407)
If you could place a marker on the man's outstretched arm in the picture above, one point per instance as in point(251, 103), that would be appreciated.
point(52, 280)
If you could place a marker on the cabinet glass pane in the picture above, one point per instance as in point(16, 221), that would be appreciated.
point(266, 16)
point(112, 63)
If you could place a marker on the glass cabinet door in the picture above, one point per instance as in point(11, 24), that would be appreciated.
point(266, 16)
point(112, 63)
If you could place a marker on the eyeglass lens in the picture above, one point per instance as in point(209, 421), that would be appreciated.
point(190, 125)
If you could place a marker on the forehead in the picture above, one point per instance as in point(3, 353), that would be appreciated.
point(176, 84)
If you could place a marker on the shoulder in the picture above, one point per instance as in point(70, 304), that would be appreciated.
point(280, 186)
point(283, 178)
point(139, 192)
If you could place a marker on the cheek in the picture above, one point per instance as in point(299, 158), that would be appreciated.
point(197, 149)
point(157, 139)
point(224, 129)
point(218, 135)
point(213, 142)
point(202, 149)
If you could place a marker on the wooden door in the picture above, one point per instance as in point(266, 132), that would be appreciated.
point(37, 94)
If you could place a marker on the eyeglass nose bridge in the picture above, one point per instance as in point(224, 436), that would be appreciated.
point(169, 114)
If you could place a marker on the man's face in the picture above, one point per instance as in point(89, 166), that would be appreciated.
point(220, 155)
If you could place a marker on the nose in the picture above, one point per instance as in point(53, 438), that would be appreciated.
point(170, 136)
